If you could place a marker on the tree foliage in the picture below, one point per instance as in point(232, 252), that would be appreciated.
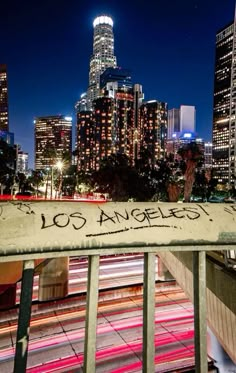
point(7, 166)
point(191, 154)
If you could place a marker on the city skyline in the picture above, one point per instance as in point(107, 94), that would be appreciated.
point(170, 50)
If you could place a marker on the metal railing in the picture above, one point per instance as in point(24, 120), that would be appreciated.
point(36, 230)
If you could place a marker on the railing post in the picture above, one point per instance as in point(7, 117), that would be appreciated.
point(200, 323)
point(91, 315)
point(149, 313)
point(22, 337)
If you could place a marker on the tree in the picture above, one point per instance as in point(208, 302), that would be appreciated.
point(7, 166)
point(69, 181)
point(121, 180)
point(191, 154)
point(36, 179)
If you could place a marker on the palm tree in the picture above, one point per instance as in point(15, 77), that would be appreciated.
point(191, 154)
point(36, 179)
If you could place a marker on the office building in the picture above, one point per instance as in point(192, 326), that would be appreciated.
point(223, 135)
point(22, 161)
point(53, 140)
point(124, 120)
point(153, 128)
point(8, 137)
point(85, 141)
point(173, 123)
point(81, 104)
point(181, 120)
point(136, 139)
point(187, 116)
point(4, 118)
point(102, 57)
point(116, 74)
point(105, 130)
point(208, 155)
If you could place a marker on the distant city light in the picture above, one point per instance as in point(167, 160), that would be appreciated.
point(69, 119)
point(174, 135)
point(59, 165)
point(187, 135)
point(101, 20)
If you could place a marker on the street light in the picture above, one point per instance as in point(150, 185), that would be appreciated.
point(59, 165)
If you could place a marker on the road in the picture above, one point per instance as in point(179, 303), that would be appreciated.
point(57, 327)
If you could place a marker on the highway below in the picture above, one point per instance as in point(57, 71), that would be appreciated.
point(57, 327)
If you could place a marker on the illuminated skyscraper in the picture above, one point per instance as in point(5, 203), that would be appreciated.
point(53, 138)
point(153, 128)
point(104, 129)
point(173, 122)
point(223, 137)
point(136, 141)
point(208, 155)
point(102, 57)
point(85, 141)
point(22, 161)
point(181, 120)
point(4, 120)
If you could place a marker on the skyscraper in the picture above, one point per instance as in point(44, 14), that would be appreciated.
point(102, 57)
point(208, 155)
point(116, 74)
point(223, 136)
point(4, 120)
point(22, 161)
point(53, 138)
point(187, 118)
point(104, 128)
point(181, 120)
point(173, 122)
point(153, 128)
point(138, 99)
point(85, 141)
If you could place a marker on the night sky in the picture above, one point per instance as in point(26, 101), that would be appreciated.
point(169, 46)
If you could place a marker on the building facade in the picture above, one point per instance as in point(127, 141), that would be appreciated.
point(22, 161)
point(187, 116)
point(104, 129)
point(223, 135)
point(53, 140)
point(208, 155)
point(4, 116)
point(173, 123)
point(85, 141)
point(116, 74)
point(181, 120)
point(102, 57)
point(8, 137)
point(136, 135)
point(153, 128)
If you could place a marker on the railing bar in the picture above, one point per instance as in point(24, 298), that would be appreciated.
point(22, 338)
point(200, 324)
point(7, 256)
point(91, 315)
point(149, 313)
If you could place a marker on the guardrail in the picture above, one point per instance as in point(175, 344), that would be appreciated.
point(36, 230)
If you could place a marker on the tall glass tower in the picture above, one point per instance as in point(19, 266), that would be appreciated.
point(102, 57)
point(224, 110)
point(53, 138)
point(4, 125)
